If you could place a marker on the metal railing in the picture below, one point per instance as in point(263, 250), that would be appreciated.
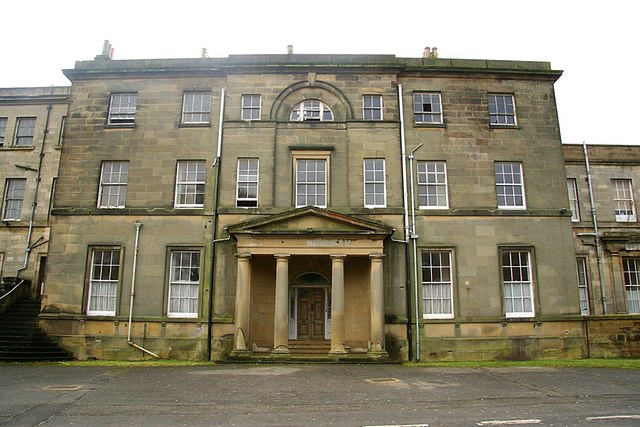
point(18, 282)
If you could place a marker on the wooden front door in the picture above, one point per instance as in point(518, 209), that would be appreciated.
point(311, 315)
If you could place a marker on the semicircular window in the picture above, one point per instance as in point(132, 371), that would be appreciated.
point(311, 111)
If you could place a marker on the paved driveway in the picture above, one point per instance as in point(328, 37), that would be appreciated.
point(307, 395)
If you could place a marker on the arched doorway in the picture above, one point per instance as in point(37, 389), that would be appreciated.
point(310, 307)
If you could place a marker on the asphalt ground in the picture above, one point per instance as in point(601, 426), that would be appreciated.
point(316, 394)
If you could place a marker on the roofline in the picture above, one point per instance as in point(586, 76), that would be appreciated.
point(268, 64)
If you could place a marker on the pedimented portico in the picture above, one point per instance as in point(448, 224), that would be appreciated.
point(309, 274)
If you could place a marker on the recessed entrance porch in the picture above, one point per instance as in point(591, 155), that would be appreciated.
point(301, 279)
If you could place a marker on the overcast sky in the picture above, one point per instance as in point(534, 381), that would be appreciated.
point(594, 42)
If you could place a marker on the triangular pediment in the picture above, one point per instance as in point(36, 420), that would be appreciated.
point(310, 220)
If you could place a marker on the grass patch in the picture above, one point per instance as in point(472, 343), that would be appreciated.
point(577, 363)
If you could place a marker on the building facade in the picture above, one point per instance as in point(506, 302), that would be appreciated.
point(31, 137)
point(601, 183)
point(363, 206)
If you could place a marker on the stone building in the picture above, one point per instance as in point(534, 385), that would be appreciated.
point(601, 183)
point(31, 124)
point(349, 206)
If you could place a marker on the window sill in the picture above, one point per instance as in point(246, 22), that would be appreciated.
point(122, 126)
point(17, 148)
point(194, 125)
point(516, 127)
point(430, 125)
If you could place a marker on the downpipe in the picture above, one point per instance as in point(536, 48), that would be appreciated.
point(214, 237)
point(407, 251)
point(596, 234)
point(138, 226)
point(38, 171)
point(414, 243)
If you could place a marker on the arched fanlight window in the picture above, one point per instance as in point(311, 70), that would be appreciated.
point(311, 111)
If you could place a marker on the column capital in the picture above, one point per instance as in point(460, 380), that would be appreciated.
point(337, 256)
point(376, 256)
point(282, 256)
point(243, 256)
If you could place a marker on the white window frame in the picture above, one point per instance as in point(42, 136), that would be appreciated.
point(247, 182)
point(502, 110)
point(311, 110)
point(25, 131)
point(437, 284)
point(517, 283)
point(196, 107)
point(625, 208)
point(122, 109)
point(427, 108)
point(432, 183)
point(4, 122)
point(510, 185)
point(574, 204)
point(324, 182)
point(583, 285)
point(181, 282)
point(251, 107)
point(113, 184)
point(372, 107)
point(13, 200)
point(106, 286)
point(190, 182)
point(374, 181)
point(631, 273)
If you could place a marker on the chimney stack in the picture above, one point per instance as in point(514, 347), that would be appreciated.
point(107, 51)
point(430, 52)
point(290, 49)
point(204, 53)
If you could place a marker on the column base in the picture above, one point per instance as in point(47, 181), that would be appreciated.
point(339, 349)
point(282, 351)
point(377, 354)
point(241, 354)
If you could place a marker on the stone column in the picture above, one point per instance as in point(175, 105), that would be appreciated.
point(337, 304)
point(281, 320)
point(243, 302)
point(377, 306)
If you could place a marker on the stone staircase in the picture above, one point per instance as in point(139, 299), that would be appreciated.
point(309, 350)
point(21, 340)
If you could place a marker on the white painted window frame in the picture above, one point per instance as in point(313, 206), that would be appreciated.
point(434, 100)
point(196, 107)
point(503, 185)
point(375, 175)
point(251, 107)
point(190, 183)
point(445, 282)
point(110, 283)
point(624, 200)
point(574, 204)
point(13, 200)
point(372, 104)
point(525, 284)
point(248, 177)
point(178, 283)
point(116, 181)
point(432, 182)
